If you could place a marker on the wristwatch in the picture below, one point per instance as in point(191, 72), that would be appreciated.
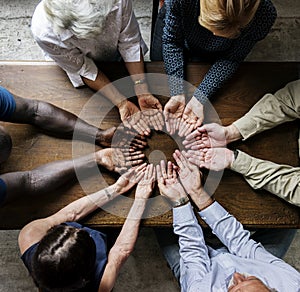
point(182, 201)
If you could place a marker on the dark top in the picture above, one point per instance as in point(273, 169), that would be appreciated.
point(101, 253)
point(7, 104)
point(2, 191)
point(182, 32)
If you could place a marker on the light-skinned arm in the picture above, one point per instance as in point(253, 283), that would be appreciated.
point(125, 242)
point(36, 230)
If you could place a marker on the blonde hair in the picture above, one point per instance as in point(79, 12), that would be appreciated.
point(84, 18)
point(227, 16)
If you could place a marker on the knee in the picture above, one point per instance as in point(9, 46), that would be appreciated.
point(5, 145)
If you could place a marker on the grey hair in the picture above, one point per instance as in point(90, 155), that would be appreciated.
point(84, 18)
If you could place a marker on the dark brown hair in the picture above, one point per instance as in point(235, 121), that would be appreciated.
point(64, 260)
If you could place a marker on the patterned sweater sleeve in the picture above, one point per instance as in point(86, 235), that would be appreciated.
point(173, 44)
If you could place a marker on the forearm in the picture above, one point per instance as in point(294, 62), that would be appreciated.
point(229, 231)
point(211, 84)
point(195, 261)
point(46, 178)
point(51, 119)
point(107, 88)
point(129, 233)
point(280, 180)
point(271, 110)
point(86, 205)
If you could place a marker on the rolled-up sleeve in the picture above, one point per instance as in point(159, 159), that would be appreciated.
point(71, 60)
point(130, 40)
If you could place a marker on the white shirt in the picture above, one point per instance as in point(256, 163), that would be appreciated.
point(121, 37)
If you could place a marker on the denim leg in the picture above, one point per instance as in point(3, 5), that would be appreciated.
point(168, 242)
point(275, 240)
point(156, 46)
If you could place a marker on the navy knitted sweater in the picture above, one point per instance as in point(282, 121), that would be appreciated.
point(182, 32)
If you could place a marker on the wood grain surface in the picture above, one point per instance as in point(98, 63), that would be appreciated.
point(31, 147)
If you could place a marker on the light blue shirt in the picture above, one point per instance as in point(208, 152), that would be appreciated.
point(205, 269)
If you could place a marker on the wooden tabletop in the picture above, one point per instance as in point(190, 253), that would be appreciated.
point(31, 147)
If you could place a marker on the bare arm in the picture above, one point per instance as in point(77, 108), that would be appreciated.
point(36, 230)
point(52, 176)
point(126, 240)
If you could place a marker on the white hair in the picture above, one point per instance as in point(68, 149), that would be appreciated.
point(84, 18)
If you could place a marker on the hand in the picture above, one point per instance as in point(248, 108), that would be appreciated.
point(168, 183)
point(130, 178)
point(207, 136)
point(173, 112)
point(189, 174)
point(154, 119)
point(149, 102)
point(127, 138)
point(132, 118)
point(117, 159)
point(215, 159)
point(192, 117)
point(146, 184)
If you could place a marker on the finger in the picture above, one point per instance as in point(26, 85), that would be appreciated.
point(169, 170)
point(160, 121)
point(193, 135)
point(144, 126)
point(140, 167)
point(176, 124)
point(177, 159)
point(174, 174)
point(166, 115)
point(158, 172)
point(189, 129)
point(135, 157)
point(163, 169)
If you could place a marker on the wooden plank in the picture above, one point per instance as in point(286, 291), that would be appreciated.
point(32, 148)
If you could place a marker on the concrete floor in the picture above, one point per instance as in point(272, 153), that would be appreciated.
point(146, 269)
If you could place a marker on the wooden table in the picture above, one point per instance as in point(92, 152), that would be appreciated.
point(32, 148)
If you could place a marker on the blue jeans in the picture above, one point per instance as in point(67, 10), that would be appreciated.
point(275, 241)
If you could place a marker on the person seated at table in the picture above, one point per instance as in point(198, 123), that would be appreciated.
point(52, 176)
point(206, 144)
point(56, 121)
point(219, 32)
point(62, 255)
point(242, 264)
point(77, 34)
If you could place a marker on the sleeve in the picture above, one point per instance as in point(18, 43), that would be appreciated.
point(173, 44)
point(71, 60)
point(7, 104)
point(3, 190)
point(194, 258)
point(235, 237)
point(271, 110)
point(280, 180)
point(225, 67)
point(28, 255)
point(130, 40)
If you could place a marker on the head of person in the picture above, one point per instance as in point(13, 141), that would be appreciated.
point(84, 18)
point(242, 283)
point(5, 145)
point(64, 260)
point(226, 18)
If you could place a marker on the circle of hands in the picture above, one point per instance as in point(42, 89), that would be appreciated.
point(204, 147)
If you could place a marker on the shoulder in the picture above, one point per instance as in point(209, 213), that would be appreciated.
point(40, 25)
point(265, 17)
